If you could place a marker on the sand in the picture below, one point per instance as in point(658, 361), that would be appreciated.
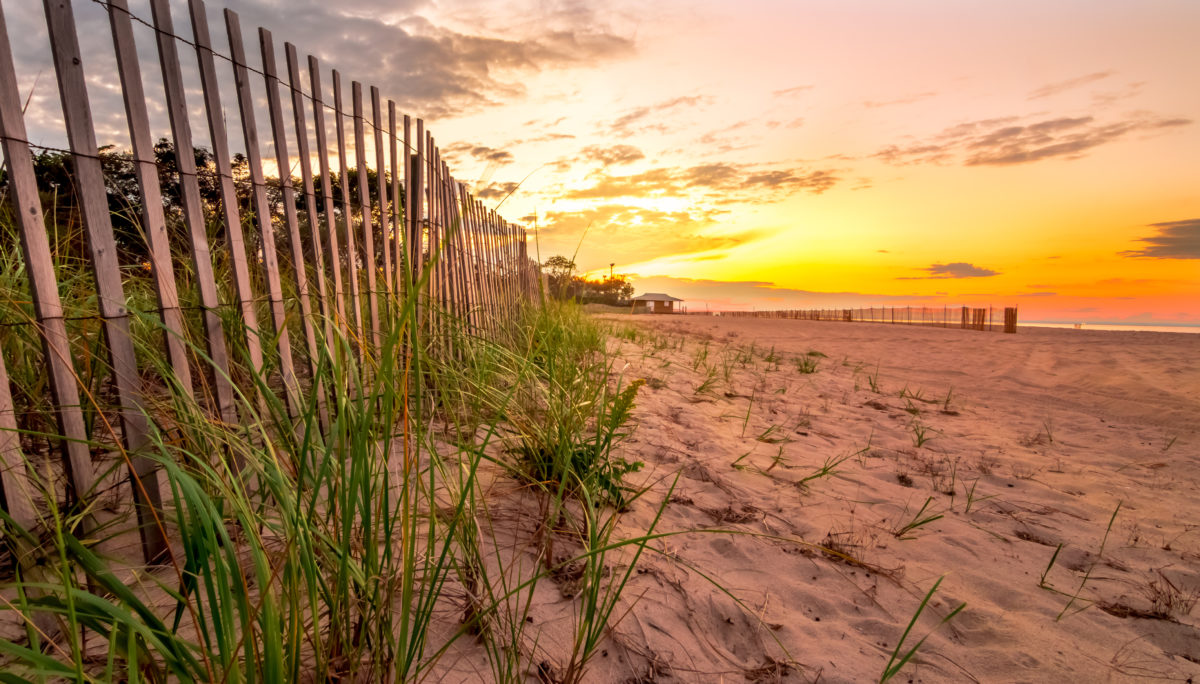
point(798, 501)
point(1021, 443)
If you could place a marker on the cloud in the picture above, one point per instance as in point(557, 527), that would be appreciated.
point(635, 119)
point(611, 155)
point(647, 183)
point(815, 182)
point(1000, 142)
point(907, 99)
point(711, 175)
point(479, 152)
point(1069, 84)
point(957, 269)
point(1110, 97)
point(794, 123)
point(1174, 240)
point(719, 181)
point(496, 190)
point(430, 69)
point(627, 233)
point(794, 90)
point(1136, 281)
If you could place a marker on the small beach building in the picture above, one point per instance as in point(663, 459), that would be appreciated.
point(654, 302)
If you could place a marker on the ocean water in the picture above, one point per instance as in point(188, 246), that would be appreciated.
point(1195, 329)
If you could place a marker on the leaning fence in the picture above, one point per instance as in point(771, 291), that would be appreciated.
point(967, 318)
point(250, 267)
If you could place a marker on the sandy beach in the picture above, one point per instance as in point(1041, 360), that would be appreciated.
point(907, 455)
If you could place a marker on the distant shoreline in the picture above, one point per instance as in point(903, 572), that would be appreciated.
point(1115, 327)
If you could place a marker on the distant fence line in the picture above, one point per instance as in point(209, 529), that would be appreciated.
point(965, 317)
point(344, 260)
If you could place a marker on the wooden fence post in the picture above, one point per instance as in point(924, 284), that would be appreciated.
point(431, 236)
point(229, 203)
point(291, 220)
point(102, 247)
point(486, 298)
point(303, 155)
point(262, 213)
point(193, 209)
point(348, 221)
point(331, 226)
point(461, 308)
point(1010, 319)
point(409, 208)
point(381, 188)
point(397, 244)
point(417, 211)
point(153, 217)
point(16, 489)
point(468, 257)
point(364, 202)
point(27, 212)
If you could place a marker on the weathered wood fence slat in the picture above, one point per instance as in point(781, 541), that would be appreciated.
point(193, 210)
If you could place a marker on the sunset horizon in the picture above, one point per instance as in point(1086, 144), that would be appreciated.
point(1029, 156)
point(798, 155)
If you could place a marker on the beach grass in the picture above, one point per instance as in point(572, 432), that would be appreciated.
point(301, 548)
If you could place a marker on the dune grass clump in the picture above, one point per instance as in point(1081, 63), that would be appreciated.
point(567, 416)
point(807, 365)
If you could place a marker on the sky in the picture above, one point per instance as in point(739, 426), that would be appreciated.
point(769, 154)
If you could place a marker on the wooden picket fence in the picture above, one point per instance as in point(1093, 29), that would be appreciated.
point(967, 318)
point(469, 263)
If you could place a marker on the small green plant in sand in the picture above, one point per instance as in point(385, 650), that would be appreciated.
point(972, 499)
point(828, 469)
point(917, 521)
point(873, 381)
point(736, 464)
point(708, 386)
point(700, 358)
point(944, 480)
point(771, 357)
point(921, 433)
point(628, 333)
point(774, 434)
point(806, 365)
point(728, 362)
point(900, 656)
point(746, 418)
point(1087, 575)
point(946, 403)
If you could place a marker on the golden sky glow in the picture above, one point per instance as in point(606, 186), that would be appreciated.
point(858, 153)
point(790, 153)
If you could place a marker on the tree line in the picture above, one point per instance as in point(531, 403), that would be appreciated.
point(614, 290)
point(56, 185)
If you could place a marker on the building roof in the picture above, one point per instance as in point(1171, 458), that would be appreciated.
point(656, 297)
